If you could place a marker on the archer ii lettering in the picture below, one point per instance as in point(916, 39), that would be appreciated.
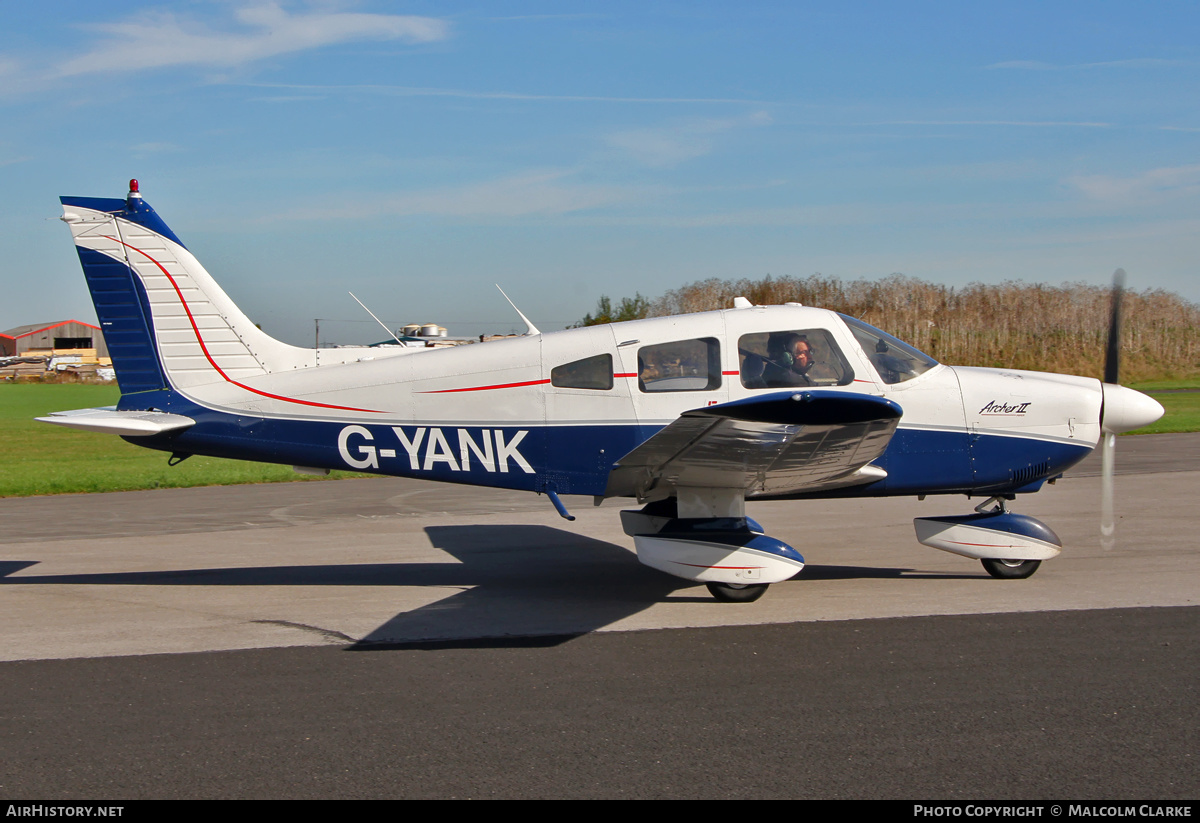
point(997, 407)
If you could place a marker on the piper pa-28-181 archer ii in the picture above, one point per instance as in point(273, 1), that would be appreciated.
point(690, 415)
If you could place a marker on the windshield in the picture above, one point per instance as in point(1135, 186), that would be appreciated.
point(895, 360)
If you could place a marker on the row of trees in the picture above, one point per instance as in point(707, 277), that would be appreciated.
point(1010, 325)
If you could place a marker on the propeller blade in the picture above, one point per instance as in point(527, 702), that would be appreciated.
point(1112, 354)
point(1112, 374)
point(1108, 452)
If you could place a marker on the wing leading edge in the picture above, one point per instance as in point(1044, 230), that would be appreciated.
point(777, 443)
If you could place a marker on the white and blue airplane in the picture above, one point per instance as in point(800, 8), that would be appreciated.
point(689, 415)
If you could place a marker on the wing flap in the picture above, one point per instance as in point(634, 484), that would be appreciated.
point(125, 423)
point(771, 444)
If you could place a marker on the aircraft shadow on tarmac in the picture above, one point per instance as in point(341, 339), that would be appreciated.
point(514, 581)
point(823, 572)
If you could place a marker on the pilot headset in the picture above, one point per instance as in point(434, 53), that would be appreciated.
point(778, 351)
point(783, 349)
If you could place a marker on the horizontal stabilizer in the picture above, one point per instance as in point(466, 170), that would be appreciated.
point(125, 423)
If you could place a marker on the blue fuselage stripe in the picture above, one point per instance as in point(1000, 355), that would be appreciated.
point(571, 459)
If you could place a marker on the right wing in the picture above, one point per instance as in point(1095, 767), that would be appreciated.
point(778, 443)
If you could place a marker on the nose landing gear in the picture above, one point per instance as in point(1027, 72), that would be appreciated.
point(1010, 546)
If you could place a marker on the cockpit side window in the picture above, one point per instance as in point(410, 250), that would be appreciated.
point(895, 360)
point(783, 359)
point(589, 373)
point(685, 365)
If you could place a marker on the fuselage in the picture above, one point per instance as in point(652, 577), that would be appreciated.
point(555, 411)
point(690, 415)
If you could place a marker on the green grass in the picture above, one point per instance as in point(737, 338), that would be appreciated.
point(1151, 386)
point(36, 458)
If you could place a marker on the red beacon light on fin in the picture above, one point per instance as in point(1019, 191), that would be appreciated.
point(133, 189)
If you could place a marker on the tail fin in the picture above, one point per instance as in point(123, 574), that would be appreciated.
point(166, 321)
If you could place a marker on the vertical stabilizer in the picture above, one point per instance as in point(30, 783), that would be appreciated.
point(167, 322)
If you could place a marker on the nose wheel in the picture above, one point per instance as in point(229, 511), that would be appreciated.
point(737, 592)
point(1011, 569)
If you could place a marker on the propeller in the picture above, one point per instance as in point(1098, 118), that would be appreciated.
point(1122, 410)
point(1108, 447)
point(1112, 352)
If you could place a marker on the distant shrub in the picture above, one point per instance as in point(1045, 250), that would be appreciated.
point(630, 308)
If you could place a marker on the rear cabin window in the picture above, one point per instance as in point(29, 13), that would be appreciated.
point(685, 365)
point(785, 359)
point(589, 373)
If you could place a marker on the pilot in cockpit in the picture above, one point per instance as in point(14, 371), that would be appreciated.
point(789, 360)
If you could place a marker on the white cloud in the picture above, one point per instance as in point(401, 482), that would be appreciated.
point(162, 39)
point(538, 193)
point(471, 94)
point(1132, 63)
point(1153, 184)
point(1023, 123)
point(527, 194)
point(1031, 65)
point(16, 78)
point(661, 148)
point(287, 98)
point(156, 148)
point(669, 146)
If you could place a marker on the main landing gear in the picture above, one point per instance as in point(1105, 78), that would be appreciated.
point(1010, 569)
point(737, 592)
point(704, 535)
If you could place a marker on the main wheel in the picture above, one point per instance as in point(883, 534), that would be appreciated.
point(1011, 569)
point(737, 592)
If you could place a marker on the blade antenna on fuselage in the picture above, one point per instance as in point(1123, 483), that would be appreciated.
point(530, 328)
point(376, 319)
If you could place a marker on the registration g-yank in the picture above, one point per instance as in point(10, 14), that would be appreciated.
point(689, 415)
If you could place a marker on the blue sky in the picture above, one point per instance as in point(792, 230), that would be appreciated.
point(417, 153)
